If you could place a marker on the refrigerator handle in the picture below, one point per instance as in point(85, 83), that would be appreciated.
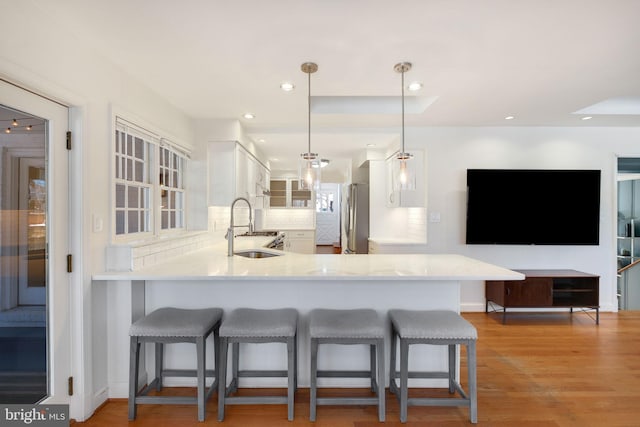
point(354, 213)
point(347, 219)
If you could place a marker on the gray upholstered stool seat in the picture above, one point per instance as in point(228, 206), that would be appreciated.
point(246, 325)
point(173, 325)
point(359, 326)
point(434, 327)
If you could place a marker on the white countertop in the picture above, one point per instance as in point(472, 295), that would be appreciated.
point(213, 264)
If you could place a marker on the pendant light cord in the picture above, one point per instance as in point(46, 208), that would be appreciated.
point(309, 113)
point(402, 111)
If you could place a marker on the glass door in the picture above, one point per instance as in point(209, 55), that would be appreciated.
point(35, 349)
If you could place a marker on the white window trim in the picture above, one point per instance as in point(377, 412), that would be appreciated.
point(141, 127)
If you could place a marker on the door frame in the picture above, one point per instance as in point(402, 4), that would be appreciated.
point(59, 357)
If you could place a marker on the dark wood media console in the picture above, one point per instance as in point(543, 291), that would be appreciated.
point(546, 288)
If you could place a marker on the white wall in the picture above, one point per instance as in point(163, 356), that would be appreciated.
point(44, 57)
point(453, 150)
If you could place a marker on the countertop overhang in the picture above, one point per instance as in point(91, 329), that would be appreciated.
point(213, 264)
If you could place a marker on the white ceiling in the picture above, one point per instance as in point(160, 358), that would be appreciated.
point(537, 60)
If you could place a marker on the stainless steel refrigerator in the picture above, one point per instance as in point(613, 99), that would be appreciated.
point(356, 219)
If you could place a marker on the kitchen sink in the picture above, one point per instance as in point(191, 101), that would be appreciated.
point(256, 254)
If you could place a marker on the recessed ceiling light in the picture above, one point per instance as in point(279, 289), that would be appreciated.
point(371, 145)
point(413, 86)
point(587, 118)
point(287, 86)
point(261, 140)
point(274, 159)
point(248, 116)
point(509, 118)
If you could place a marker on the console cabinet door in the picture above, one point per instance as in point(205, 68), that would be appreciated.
point(531, 292)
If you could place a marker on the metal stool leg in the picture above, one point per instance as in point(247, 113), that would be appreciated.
point(452, 367)
point(201, 358)
point(380, 379)
point(159, 361)
point(291, 380)
point(222, 374)
point(404, 379)
point(314, 379)
point(392, 361)
point(473, 385)
point(134, 351)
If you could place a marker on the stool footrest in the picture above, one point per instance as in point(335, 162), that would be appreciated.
point(347, 401)
point(343, 374)
point(167, 400)
point(438, 401)
point(252, 400)
point(260, 373)
point(424, 374)
point(186, 373)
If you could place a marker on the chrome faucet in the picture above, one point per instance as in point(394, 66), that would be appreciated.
point(229, 235)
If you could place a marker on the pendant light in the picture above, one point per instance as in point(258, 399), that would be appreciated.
point(309, 170)
point(404, 177)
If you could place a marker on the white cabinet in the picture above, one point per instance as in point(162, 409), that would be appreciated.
point(234, 172)
point(300, 241)
point(285, 193)
point(406, 198)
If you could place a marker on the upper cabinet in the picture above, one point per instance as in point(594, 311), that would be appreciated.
point(285, 193)
point(234, 172)
point(406, 198)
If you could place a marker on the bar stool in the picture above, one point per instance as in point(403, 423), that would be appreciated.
point(436, 327)
point(245, 325)
point(359, 326)
point(173, 325)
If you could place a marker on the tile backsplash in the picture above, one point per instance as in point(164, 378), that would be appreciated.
point(283, 219)
point(132, 257)
point(417, 224)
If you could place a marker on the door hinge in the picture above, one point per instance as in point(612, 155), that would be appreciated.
point(70, 386)
point(68, 140)
point(69, 263)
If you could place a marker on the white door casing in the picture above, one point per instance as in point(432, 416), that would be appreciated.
point(57, 292)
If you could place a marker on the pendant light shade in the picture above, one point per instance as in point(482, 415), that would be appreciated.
point(309, 169)
point(404, 174)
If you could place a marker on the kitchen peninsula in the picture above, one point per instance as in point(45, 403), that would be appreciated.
point(209, 278)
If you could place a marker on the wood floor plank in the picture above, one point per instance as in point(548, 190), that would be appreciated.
point(552, 370)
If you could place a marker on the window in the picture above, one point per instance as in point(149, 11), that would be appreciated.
point(324, 201)
point(171, 166)
point(140, 157)
point(132, 180)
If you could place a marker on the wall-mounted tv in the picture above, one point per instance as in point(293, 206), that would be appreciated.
point(533, 207)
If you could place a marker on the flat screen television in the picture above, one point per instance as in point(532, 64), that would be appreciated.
point(533, 207)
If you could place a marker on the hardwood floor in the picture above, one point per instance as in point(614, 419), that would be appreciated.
point(539, 369)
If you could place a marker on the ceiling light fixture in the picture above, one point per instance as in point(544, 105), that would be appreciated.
point(287, 86)
point(509, 118)
point(587, 118)
point(413, 86)
point(308, 173)
point(14, 122)
point(29, 127)
point(322, 163)
point(7, 130)
point(405, 178)
point(249, 116)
